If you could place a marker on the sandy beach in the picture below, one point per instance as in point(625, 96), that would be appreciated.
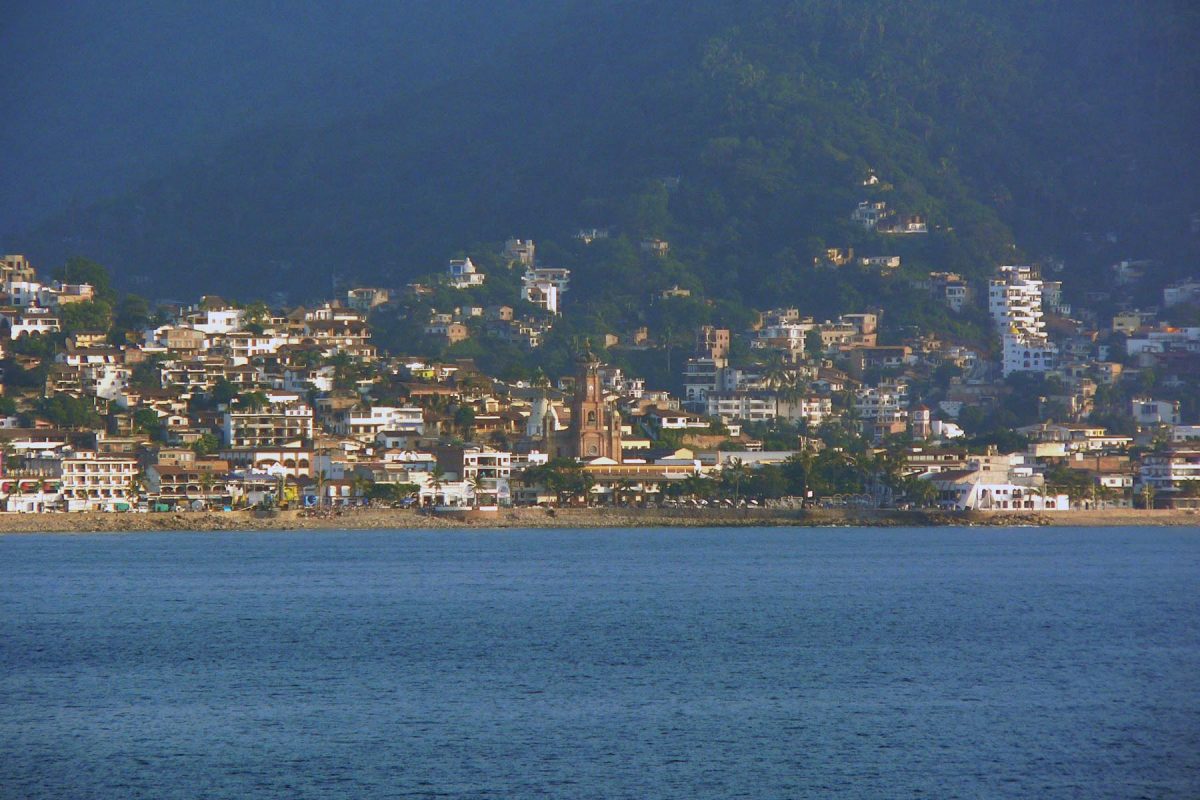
point(378, 519)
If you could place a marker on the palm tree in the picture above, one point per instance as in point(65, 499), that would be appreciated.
point(922, 491)
point(478, 488)
point(254, 401)
point(206, 485)
point(696, 486)
point(437, 482)
point(775, 372)
point(137, 484)
point(736, 471)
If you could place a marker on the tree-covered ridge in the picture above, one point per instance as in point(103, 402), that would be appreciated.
point(1026, 124)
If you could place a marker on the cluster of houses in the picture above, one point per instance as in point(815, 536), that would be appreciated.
point(541, 286)
point(218, 405)
point(32, 307)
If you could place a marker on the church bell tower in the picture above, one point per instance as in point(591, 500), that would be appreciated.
point(595, 425)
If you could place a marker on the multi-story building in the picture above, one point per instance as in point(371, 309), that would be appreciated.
point(187, 484)
point(712, 342)
point(745, 406)
point(277, 425)
point(949, 287)
point(94, 483)
point(16, 267)
point(1052, 298)
point(1170, 472)
point(1015, 303)
point(545, 286)
point(216, 320)
point(1015, 300)
point(1028, 354)
point(787, 335)
point(870, 213)
point(367, 424)
point(1148, 411)
point(700, 377)
point(813, 409)
point(888, 399)
point(486, 471)
point(520, 251)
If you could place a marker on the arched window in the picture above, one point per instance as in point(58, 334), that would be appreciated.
point(591, 418)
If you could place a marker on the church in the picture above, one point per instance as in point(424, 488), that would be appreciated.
point(594, 429)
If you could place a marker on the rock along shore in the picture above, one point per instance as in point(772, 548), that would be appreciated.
point(378, 519)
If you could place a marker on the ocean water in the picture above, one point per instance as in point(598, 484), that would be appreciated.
point(759, 663)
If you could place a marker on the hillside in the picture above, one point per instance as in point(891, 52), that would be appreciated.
point(974, 115)
point(85, 118)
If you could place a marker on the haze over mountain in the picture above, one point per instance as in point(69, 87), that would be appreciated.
point(100, 96)
point(1041, 126)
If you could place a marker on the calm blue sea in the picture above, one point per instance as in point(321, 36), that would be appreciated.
point(759, 663)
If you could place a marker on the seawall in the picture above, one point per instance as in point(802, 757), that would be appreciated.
point(367, 519)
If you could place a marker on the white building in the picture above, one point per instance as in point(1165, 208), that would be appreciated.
point(31, 321)
point(277, 425)
point(107, 381)
point(1185, 291)
point(1148, 411)
point(887, 400)
point(245, 346)
point(1028, 354)
point(301, 379)
point(1015, 300)
point(813, 409)
point(1185, 433)
point(1166, 339)
point(463, 274)
point(217, 320)
point(545, 286)
point(1015, 304)
point(486, 472)
point(22, 293)
point(784, 335)
point(366, 425)
point(747, 406)
point(94, 483)
point(982, 491)
point(1171, 471)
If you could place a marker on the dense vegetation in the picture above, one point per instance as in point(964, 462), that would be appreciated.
point(1019, 130)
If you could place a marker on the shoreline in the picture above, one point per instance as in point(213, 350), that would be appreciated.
point(400, 519)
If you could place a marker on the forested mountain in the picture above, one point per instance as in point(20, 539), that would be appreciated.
point(1019, 130)
point(100, 96)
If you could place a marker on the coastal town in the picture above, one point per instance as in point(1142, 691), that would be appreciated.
point(116, 405)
